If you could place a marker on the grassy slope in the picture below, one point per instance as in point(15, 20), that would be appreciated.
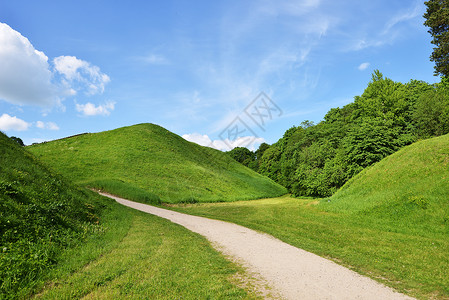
point(40, 214)
point(147, 258)
point(391, 222)
point(62, 242)
point(411, 184)
point(153, 160)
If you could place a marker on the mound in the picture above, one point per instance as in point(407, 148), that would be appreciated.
point(40, 215)
point(154, 161)
point(411, 183)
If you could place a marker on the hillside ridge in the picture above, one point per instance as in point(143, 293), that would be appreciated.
point(155, 162)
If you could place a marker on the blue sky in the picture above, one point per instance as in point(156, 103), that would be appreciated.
point(195, 67)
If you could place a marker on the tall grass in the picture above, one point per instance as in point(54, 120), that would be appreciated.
point(125, 190)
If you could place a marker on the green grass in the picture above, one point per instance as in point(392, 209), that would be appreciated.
point(126, 190)
point(390, 222)
point(146, 257)
point(40, 215)
point(61, 241)
point(157, 161)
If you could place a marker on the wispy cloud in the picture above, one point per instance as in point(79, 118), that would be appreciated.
point(377, 36)
point(412, 12)
point(47, 125)
point(154, 59)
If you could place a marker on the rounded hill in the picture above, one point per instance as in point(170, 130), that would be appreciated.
point(412, 184)
point(150, 161)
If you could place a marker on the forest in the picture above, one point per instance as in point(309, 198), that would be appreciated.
point(317, 159)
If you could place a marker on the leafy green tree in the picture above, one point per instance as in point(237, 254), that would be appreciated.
point(317, 159)
point(242, 155)
point(437, 19)
point(17, 140)
point(431, 114)
point(270, 164)
point(261, 150)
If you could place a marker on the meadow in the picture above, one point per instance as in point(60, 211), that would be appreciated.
point(390, 222)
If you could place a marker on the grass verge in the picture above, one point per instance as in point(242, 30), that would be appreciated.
point(144, 257)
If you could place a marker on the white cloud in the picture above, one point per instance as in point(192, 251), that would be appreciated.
point(89, 109)
point(47, 125)
point(80, 74)
point(12, 123)
point(363, 66)
point(202, 140)
point(25, 77)
point(249, 142)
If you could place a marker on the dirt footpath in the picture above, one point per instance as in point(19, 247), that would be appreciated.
point(292, 272)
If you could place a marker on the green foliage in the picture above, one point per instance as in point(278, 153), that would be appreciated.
point(154, 161)
point(261, 150)
point(242, 154)
point(40, 215)
point(17, 140)
point(316, 160)
point(249, 158)
point(431, 114)
point(437, 19)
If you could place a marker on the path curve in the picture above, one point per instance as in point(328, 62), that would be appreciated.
point(293, 272)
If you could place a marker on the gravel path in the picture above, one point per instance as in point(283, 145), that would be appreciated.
point(290, 271)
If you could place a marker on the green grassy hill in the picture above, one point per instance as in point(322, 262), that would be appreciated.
point(409, 185)
point(145, 160)
point(40, 214)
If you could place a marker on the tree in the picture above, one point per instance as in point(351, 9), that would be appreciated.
point(17, 140)
point(262, 148)
point(437, 19)
point(242, 154)
point(431, 114)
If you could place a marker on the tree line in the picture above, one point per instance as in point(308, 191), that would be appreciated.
point(317, 159)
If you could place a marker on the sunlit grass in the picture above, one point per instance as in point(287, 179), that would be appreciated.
point(153, 259)
point(391, 222)
point(156, 161)
point(59, 241)
point(413, 263)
